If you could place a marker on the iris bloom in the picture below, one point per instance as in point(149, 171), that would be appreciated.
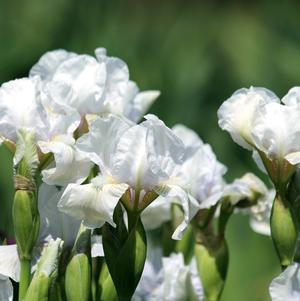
point(255, 199)
point(142, 160)
point(201, 170)
point(257, 121)
point(287, 285)
point(21, 108)
point(249, 187)
point(172, 281)
point(91, 85)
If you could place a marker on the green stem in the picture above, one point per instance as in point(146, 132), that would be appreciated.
point(24, 278)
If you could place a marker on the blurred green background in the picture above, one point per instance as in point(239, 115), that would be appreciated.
point(197, 53)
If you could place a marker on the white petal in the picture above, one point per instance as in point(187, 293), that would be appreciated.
point(19, 107)
point(236, 113)
point(261, 212)
point(59, 117)
point(86, 78)
point(287, 285)
point(260, 227)
point(93, 203)
point(157, 213)
point(97, 246)
point(55, 224)
point(203, 175)
point(276, 131)
point(257, 159)
point(130, 162)
point(6, 289)
point(9, 262)
point(140, 104)
point(189, 205)
point(293, 158)
point(47, 265)
point(49, 62)
point(292, 98)
point(116, 85)
point(70, 165)
point(189, 137)
point(248, 186)
point(165, 151)
point(100, 143)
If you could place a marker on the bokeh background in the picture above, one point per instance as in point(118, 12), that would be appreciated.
point(197, 53)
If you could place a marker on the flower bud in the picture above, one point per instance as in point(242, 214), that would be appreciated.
point(46, 272)
point(26, 222)
point(212, 263)
point(284, 229)
point(78, 272)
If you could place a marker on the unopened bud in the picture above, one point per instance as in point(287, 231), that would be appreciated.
point(284, 230)
point(46, 273)
point(212, 263)
point(26, 222)
point(78, 272)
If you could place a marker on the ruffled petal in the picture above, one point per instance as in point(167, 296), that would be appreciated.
point(236, 113)
point(9, 262)
point(100, 143)
point(70, 165)
point(203, 176)
point(140, 104)
point(116, 84)
point(19, 107)
point(86, 78)
point(276, 132)
point(49, 62)
point(189, 137)
point(292, 98)
point(93, 203)
point(165, 151)
point(260, 213)
point(130, 163)
point(287, 285)
point(247, 187)
point(189, 205)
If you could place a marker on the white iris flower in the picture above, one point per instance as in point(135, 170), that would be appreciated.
point(92, 85)
point(141, 160)
point(257, 121)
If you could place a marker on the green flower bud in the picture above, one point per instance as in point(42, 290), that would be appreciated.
point(46, 273)
point(79, 271)
point(284, 230)
point(26, 222)
point(212, 263)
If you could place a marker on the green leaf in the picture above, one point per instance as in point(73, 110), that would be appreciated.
point(125, 254)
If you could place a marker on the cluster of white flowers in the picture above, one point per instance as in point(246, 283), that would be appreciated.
point(96, 149)
point(170, 279)
point(84, 112)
